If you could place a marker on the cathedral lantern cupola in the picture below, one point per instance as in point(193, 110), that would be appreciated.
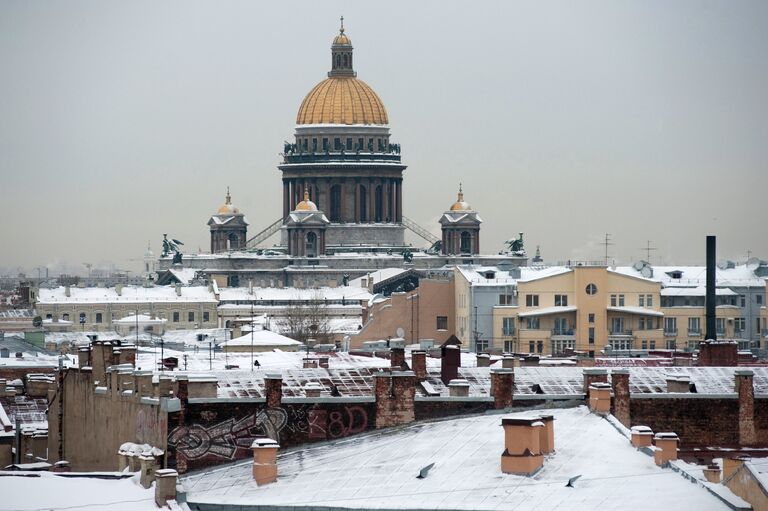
point(461, 228)
point(229, 228)
point(341, 54)
point(305, 227)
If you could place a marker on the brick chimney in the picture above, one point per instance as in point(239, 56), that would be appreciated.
point(395, 394)
point(642, 436)
point(165, 486)
point(450, 363)
point(666, 448)
point(522, 441)
point(594, 375)
point(84, 357)
point(397, 358)
point(620, 387)
point(502, 387)
point(419, 364)
point(600, 398)
point(746, 391)
point(273, 387)
point(458, 388)
point(547, 434)
point(678, 383)
point(264, 460)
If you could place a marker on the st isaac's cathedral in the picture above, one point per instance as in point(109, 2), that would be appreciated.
point(342, 214)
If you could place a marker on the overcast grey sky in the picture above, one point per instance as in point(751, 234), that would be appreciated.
point(566, 120)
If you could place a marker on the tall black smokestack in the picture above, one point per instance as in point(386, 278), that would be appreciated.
point(711, 299)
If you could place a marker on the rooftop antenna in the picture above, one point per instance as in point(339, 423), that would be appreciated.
point(648, 249)
point(607, 243)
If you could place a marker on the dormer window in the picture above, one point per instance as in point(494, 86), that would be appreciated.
point(675, 274)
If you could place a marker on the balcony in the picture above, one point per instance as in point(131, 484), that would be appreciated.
point(619, 334)
point(694, 333)
point(341, 156)
point(563, 334)
point(670, 333)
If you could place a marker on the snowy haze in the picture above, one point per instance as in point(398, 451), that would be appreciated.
point(646, 120)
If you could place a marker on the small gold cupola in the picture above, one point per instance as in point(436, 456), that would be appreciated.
point(306, 204)
point(227, 208)
point(460, 204)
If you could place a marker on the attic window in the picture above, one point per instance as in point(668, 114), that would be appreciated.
point(490, 275)
point(676, 274)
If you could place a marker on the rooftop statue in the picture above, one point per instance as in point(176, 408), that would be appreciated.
point(515, 246)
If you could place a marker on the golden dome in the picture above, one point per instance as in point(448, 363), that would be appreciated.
point(460, 205)
point(306, 204)
point(342, 100)
point(227, 208)
point(341, 39)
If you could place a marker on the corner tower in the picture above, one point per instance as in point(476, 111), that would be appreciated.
point(461, 228)
point(343, 158)
point(228, 228)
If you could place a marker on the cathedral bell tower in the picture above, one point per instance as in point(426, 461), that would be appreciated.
point(228, 228)
point(461, 228)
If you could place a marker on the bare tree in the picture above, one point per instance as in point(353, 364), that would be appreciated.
point(306, 320)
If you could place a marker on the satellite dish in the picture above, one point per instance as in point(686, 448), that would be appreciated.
point(646, 272)
point(722, 264)
point(400, 332)
point(753, 263)
point(638, 265)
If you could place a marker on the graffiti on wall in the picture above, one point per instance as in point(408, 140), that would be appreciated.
point(228, 439)
point(327, 425)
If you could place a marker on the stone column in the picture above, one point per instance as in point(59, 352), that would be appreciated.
point(371, 201)
point(502, 387)
point(620, 387)
point(273, 384)
point(286, 198)
point(357, 203)
point(399, 201)
point(746, 392)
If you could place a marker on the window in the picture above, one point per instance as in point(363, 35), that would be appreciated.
point(82, 318)
point(349, 144)
point(175, 317)
point(509, 346)
point(561, 300)
point(532, 323)
point(505, 300)
point(539, 347)
point(720, 326)
point(325, 144)
point(694, 326)
point(481, 345)
point(621, 344)
point(49, 316)
point(743, 300)
point(644, 343)
point(617, 325)
point(591, 289)
point(641, 323)
point(591, 317)
point(649, 300)
point(641, 300)
point(508, 326)
point(559, 346)
point(621, 300)
point(561, 327)
point(653, 344)
point(190, 316)
point(739, 325)
point(670, 326)
point(613, 300)
point(206, 316)
point(442, 323)
point(314, 145)
point(531, 300)
point(591, 335)
point(759, 299)
point(531, 346)
point(99, 317)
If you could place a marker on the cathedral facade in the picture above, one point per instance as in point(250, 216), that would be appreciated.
point(342, 212)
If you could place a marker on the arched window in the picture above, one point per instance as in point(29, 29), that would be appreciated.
point(346, 60)
point(335, 203)
point(378, 203)
point(363, 204)
point(466, 243)
point(311, 245)
point(233, 241)
point(338, 60)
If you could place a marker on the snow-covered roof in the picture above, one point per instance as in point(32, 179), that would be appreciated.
point(378, 470)
point(141, 319)
point(128, 294)
point(642, 311)
point(695, 276)
point(184, 275)
point(548, 310)
point(695, 291)
point(530, 273)
point(262, 337)
point(378, 276)
point(232, 294)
